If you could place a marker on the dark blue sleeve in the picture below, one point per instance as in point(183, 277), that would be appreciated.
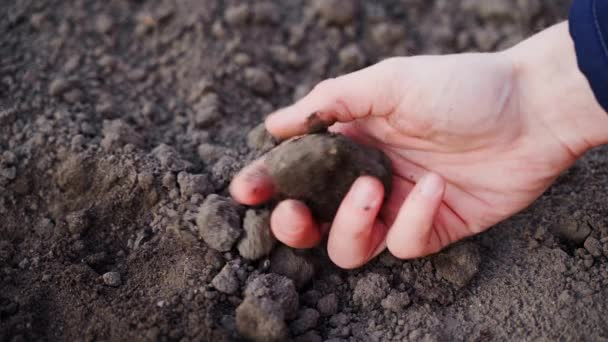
point(589, 29)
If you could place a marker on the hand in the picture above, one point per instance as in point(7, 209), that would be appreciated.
point(473, 139)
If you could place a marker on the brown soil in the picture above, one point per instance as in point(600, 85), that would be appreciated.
point(119, 119)
point(319, 169)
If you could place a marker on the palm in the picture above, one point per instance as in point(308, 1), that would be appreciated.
point(467, 146)
point(479, 144)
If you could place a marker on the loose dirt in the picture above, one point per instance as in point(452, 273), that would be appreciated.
point(123, 122)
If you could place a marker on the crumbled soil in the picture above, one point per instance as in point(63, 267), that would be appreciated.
point(119, 119)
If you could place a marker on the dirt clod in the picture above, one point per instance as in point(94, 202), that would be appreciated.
point(257, 240)
point(572, 229)
point(293, 264)
point(226, 280)
point(593, 246)
point(261, 319)
point(258, 80)
point(307, 319)
point(396, 301)
point(260, 140)
point(277, 288)
point(218, 221)
point(117, 133)
point(336, 11)
point(320, 168)
point(173, 72)
point(458, 264)
point(169, 158)
point(328, 305)
point(190, 184)
point(370, 290)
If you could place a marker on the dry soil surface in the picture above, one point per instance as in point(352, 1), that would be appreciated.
point(123, 121)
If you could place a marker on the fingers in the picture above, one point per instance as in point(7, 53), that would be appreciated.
point(363, 93)
point(253, 185)
point(412, 234)
point(292, 224)
point(356, 233)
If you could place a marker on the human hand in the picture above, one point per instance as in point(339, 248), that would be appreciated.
point(473, 139)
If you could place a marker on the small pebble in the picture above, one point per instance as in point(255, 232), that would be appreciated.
point(58, 86)
point(237, 15)
point(112, 279)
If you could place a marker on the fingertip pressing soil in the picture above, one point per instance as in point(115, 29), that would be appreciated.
point(319, 170)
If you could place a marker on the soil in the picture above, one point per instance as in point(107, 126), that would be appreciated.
point(120, 119)
point(305, 168)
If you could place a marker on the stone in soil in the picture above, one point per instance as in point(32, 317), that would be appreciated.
point(370, 290)
point(257, 240)
point(58, 86)
point(319, 169)
point(294, 264)
point(112, 279)
point(210, 153)
point(458, 264)
point(219, 222)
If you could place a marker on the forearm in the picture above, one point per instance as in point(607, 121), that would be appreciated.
point(553, 89)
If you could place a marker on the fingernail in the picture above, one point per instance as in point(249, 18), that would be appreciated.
point(430, 185)
point(364, 194)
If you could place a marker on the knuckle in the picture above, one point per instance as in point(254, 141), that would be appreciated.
point(324, 86)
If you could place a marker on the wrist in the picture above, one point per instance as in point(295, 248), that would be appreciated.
point(554, 92)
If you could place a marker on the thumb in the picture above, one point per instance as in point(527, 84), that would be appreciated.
point(367, 92)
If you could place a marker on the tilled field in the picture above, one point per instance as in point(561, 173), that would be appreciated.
point(123, 122)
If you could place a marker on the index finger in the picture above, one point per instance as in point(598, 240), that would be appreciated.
point(367, 92)
point(252, 185)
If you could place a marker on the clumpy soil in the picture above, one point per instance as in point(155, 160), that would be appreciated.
point(319, 169)
point(122, 123)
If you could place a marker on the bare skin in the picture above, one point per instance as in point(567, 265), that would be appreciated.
point(473, 139)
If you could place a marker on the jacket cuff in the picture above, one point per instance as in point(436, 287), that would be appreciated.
point(589, 30)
